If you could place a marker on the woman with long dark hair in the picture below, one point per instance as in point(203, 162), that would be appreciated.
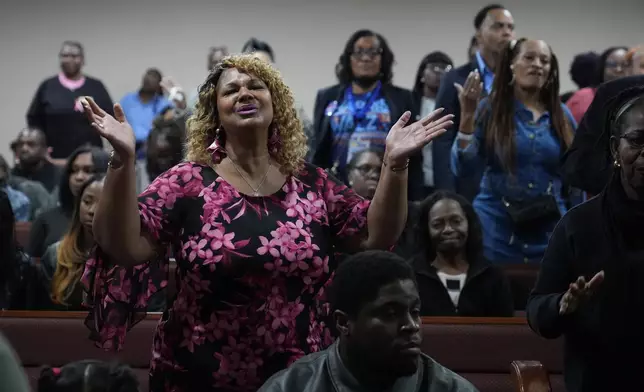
point(454, 279)
point(52, 224)
point(518, 134)
point(591, 283)
point(14, 263)
point(63, 263)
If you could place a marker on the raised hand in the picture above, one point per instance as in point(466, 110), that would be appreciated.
point(404, 140)
point(579, 291)
point(115, 129)
point(470, 93)
point(174, 92)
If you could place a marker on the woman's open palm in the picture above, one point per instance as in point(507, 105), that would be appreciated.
point(404, 140)
point(115, 129)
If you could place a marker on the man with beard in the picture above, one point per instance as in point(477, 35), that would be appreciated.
point(357, 113)
point(376, 309)
point(56, 109)
point(32, 163)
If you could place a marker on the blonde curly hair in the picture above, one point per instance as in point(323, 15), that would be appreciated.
point(202, 125)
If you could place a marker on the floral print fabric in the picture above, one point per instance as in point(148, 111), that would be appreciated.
point(251, 276)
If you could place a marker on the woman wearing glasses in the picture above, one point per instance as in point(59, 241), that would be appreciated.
point(357, 113)
point(428, 80)
point(590, 287)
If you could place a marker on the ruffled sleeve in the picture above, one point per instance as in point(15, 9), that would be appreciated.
point(347, 213)
point(119, 297)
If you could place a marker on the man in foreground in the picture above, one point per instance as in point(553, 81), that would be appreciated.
point(377, 314)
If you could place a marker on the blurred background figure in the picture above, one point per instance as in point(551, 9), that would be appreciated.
point(55, 108)
point(427, 83)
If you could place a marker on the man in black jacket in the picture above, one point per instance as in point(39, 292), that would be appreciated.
point(356, 114)
point(377, 313)
point(494, 30)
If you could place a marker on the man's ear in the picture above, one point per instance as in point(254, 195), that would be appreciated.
point(341, 322)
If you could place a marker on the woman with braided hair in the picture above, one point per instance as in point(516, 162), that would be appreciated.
point(518, 134)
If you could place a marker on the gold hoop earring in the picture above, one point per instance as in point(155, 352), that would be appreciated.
point(616, 164)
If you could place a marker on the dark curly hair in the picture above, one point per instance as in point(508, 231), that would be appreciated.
point(344, 73)
point(474, 244)
point(88, 376)
point(360, 277)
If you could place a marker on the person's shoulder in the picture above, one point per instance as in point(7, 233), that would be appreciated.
point(128, 97)
point(16, 195)
point(329, 92)
point(446, 379)
point(397, 89)
point(49, 81)
point(309, 173)
point(297, 376)
point(94, 81)
point(460, 72)
point(581, 213)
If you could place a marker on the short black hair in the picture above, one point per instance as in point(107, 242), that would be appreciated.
point(40, 132)
point(360, 277)
point(88, 375)
point(75, 44)
point(583, 69)
point(255, 45)
point(480, 16)
point(344, 73)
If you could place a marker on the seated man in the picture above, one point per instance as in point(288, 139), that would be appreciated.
point(377, 313)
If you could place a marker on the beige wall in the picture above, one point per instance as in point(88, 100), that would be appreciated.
point(122, 38)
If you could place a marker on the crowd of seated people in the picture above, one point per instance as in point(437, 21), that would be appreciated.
point(491, 193)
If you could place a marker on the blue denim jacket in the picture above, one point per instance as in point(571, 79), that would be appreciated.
point(537, 173)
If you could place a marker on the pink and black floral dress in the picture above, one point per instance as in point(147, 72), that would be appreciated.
point(251, 275)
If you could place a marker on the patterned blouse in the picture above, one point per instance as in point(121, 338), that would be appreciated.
point(251, 276)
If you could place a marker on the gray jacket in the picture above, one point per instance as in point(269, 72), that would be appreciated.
point(325, 372)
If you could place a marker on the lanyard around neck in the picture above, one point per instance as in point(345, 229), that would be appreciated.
point(360, 114)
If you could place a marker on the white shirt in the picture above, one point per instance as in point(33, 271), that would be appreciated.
point(455, 286)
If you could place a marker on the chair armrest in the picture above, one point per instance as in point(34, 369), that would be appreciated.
point(530, 376)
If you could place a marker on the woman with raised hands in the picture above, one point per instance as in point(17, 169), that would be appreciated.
point(254, 228)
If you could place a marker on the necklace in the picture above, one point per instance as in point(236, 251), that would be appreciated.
point(255, 190)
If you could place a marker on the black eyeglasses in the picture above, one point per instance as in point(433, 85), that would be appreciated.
point(368, 52)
